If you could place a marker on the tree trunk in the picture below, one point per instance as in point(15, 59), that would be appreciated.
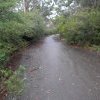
point(26, 5)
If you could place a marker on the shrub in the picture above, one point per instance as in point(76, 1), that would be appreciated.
point(15, 83)
point(81, 28)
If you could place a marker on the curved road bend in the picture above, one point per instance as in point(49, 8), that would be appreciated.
point(58, 72)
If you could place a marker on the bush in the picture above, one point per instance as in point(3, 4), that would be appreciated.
point(81, 28)
point(15, 83)
point(33, 25)
point(12, 81)
point(13, 28)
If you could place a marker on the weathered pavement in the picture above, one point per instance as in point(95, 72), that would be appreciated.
point(58, 72)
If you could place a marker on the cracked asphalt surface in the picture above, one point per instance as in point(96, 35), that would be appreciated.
point(56, 71)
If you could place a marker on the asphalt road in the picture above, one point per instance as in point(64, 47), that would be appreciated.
point(56, 71)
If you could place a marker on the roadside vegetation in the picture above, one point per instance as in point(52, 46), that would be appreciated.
point(80, 25)
point(17, 29)
point(26, 21)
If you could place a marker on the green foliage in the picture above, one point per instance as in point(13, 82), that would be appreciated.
point(6, 4)
point(95, 48)
point(12, 81)
point(5, 50)
point(50, 31)
point(81, 28)
point(33, 24)
point(15, 25)
point(5, 73)
point(15, 83)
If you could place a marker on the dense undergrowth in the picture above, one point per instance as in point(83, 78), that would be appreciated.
point(15, 34)
point(81, 28)
point(17, 29)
